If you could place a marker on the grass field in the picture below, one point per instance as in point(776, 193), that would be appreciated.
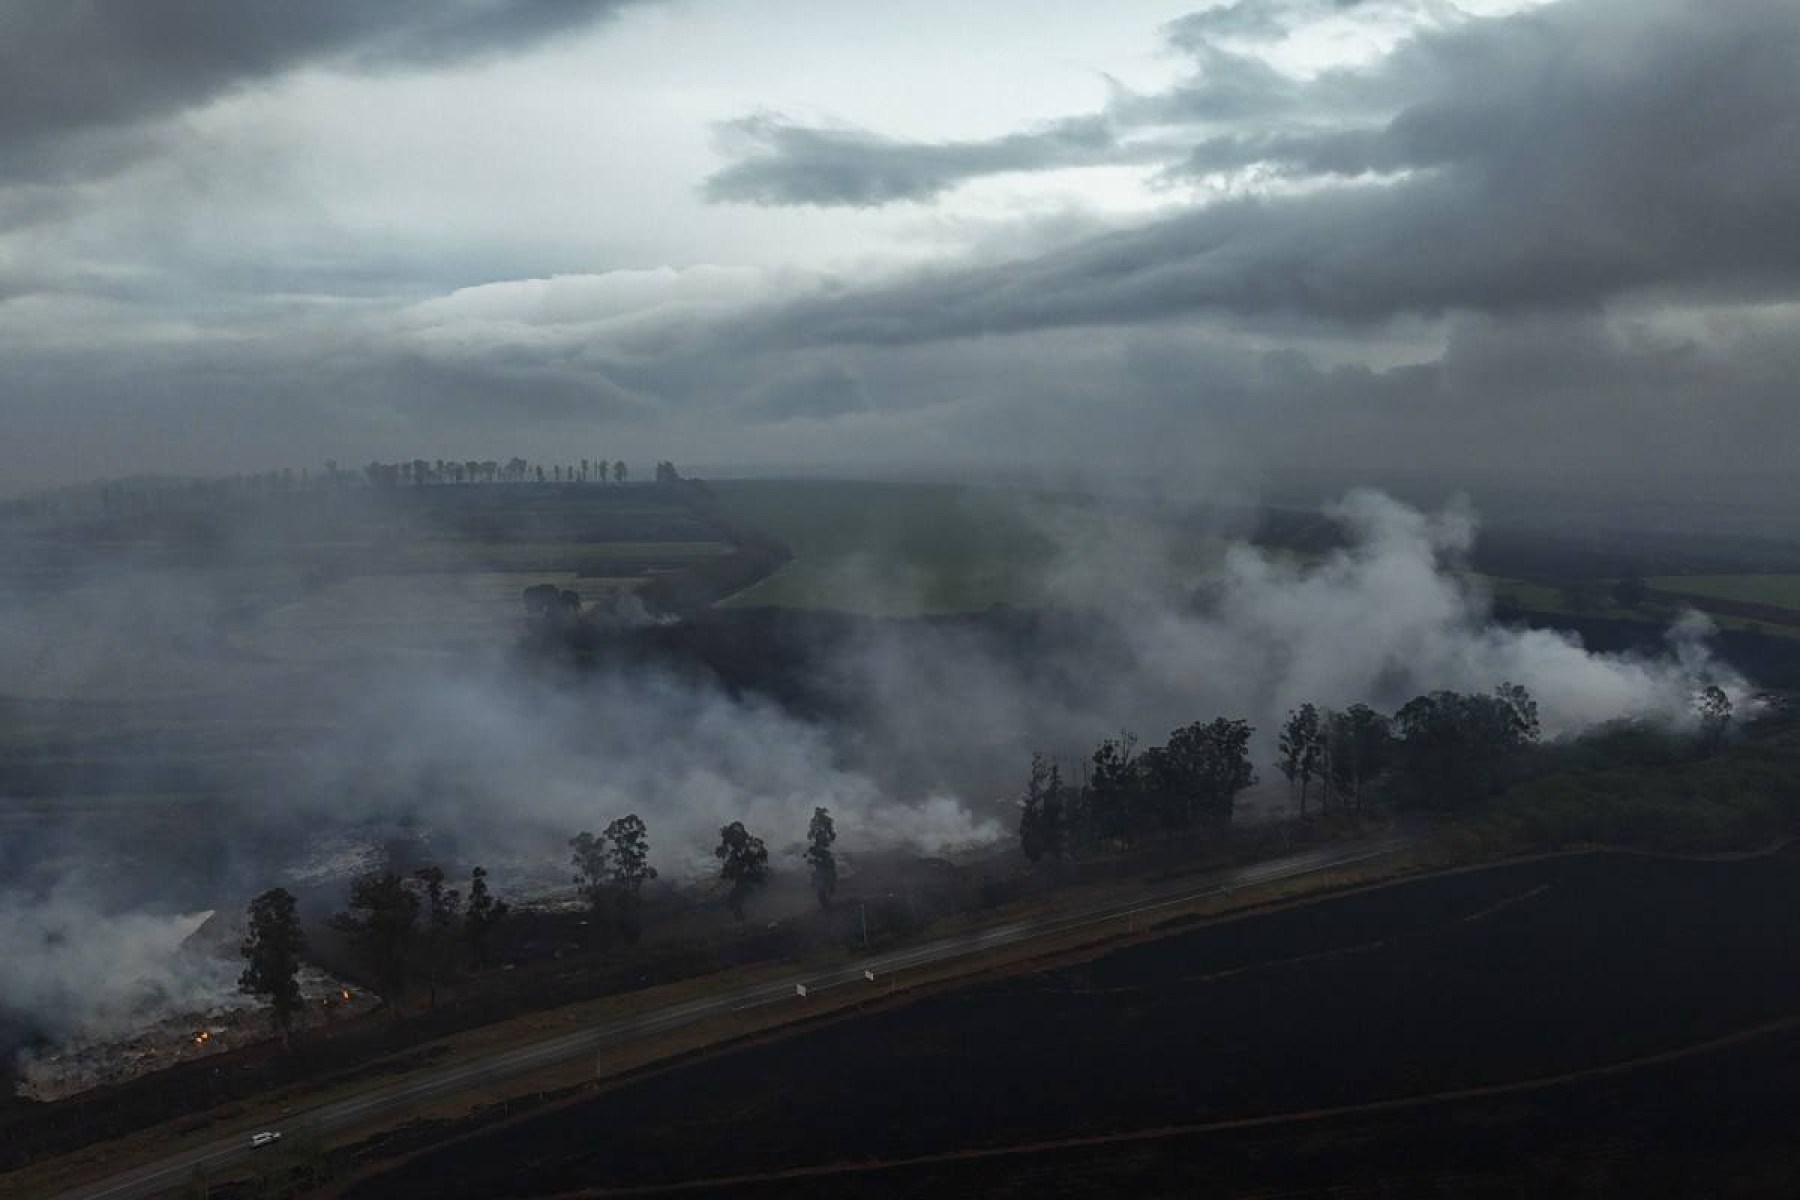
point(1780, 591)
point(903, 549)
point(574, 558)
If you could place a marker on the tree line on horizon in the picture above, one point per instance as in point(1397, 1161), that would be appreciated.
point(135, 494)
point(419, 472)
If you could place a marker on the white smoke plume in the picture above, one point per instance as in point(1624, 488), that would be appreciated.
point(490, 762)
point(79, 969)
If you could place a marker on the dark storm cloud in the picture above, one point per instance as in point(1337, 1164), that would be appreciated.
point(1253, 20)
point(787, 163)
point(784, 162)
point(71, 69)
point(1554, 159)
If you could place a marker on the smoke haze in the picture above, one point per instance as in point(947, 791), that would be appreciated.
point(307, 765)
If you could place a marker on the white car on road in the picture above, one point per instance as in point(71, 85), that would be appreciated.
point(264, 1138)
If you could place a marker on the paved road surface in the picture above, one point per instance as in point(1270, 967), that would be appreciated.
point(177, 1169)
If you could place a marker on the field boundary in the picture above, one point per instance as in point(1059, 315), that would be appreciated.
point(1198, 1128)
point(1094, 942)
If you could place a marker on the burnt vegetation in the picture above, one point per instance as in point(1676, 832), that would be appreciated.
point(1346, 1025)
point(444, 955)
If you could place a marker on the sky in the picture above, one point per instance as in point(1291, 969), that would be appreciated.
point(1511, 238)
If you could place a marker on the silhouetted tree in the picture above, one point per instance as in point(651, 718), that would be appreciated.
point(1714, 709)
point(1300, 749)
point(271, 952)
point(480, 918)
point(1115, 792)
point(743, 863)
point(820, 834)
point(1036, 832)
point(1359, 742)
point(382, 926)
point(1454, 748)
point(589, 857)
point(628, 869)
point(442, 909)
point(1520, 723)
point(620, 471)
point(1202, 769)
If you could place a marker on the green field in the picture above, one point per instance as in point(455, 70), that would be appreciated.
point(209, 599)
point(903, 549)
point(899, 549)
point(1594, 599)
point(576, 558)
point(1781, 591)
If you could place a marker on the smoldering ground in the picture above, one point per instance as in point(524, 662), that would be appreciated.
point(216, 759)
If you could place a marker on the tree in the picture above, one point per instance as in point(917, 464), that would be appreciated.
point(1454, 748)
point(1300, 749)
point(1209, 765)
point(483, 913)
point(382, 927)
point(1115, 791)
point(620, 471)
point(820, 834)
point(1035, 836)
point(1520, 721)
point(1358, 741)
point(1714, 708)
point(271, 952)
point(743, 863)
point(628, 869)
point(588, 855)
point(442, 910)
point(1060, 812)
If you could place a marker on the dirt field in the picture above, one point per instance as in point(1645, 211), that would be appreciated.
point(1481, 980)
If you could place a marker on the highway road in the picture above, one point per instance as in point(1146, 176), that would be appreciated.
point(214, 1158)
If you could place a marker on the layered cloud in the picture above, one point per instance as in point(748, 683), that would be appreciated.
point(1559, 157)
point(82, 71)
point(1298, 234)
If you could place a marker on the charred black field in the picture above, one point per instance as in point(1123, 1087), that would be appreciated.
point(1543, 1024)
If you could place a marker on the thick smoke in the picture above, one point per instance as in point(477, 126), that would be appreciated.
point(315, 762)
point(481, 756)
point(77, 969)
point(1388, 617)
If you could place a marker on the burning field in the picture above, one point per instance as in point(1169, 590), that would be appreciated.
point(162, 1032)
